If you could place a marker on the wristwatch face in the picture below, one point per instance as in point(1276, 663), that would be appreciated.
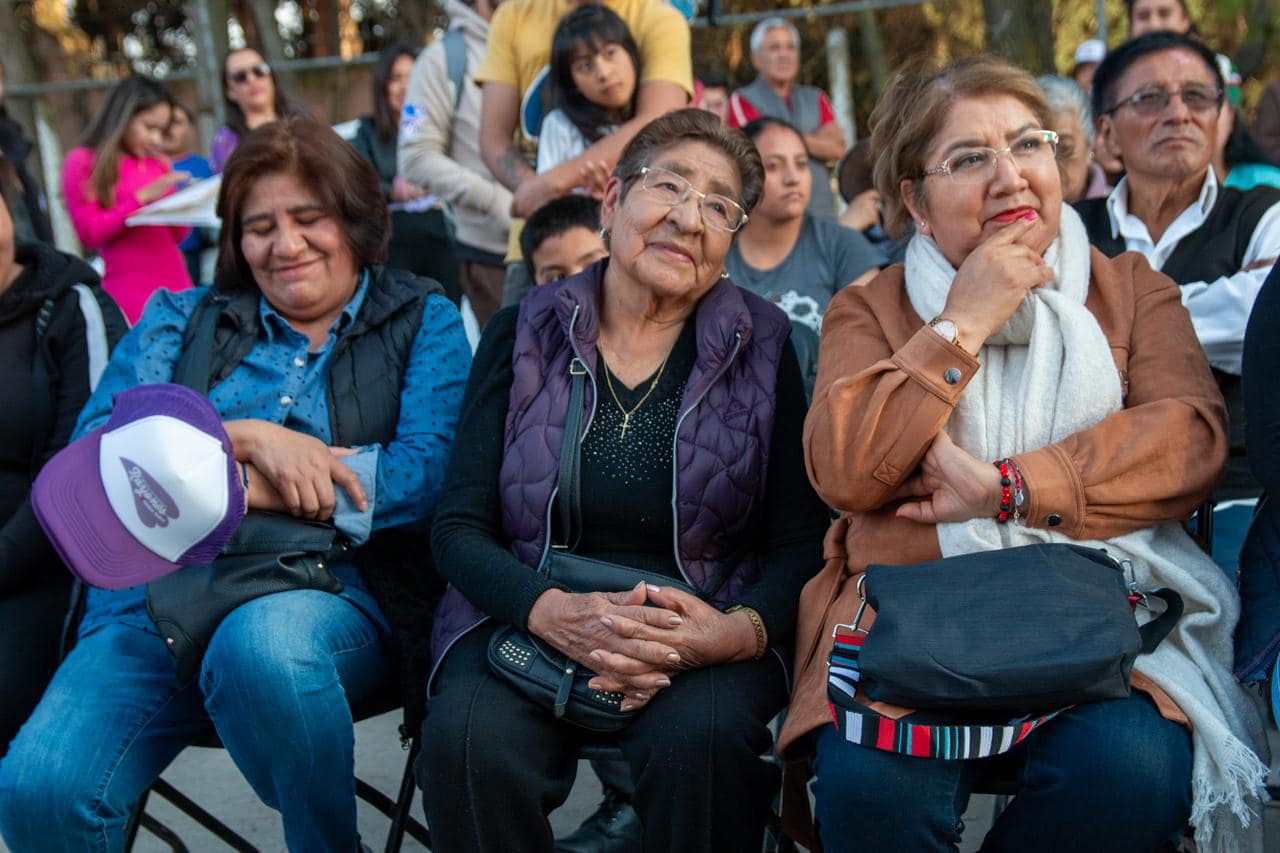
point(946, 328)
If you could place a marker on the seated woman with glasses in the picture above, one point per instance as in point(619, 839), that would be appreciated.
point(690, 469)
point(252, 97)
point(1005, 336)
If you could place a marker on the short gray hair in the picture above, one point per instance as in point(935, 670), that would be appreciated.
point(1063, 93)
point(774, 23)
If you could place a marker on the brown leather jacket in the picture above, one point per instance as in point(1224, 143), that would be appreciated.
point(882, 395)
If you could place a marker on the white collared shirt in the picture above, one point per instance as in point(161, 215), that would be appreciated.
point(1219, 309)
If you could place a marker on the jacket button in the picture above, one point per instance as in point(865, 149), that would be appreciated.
point(951, 375)
point(1053, 519)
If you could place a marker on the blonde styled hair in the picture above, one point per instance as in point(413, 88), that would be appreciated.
point(912, 110)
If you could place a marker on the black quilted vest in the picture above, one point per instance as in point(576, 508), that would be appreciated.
point(366, 371)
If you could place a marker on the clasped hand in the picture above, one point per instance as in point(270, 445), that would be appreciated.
point(955, 486)
point(291, 471)
point(636, 649)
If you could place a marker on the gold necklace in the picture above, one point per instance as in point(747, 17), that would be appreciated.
point(626, 416)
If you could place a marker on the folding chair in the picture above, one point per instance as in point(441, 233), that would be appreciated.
point(398, 810)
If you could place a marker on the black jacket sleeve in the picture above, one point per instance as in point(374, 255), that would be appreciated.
point(466, 538)
point(793, 519)
point(1261, 402)
point(24, 549)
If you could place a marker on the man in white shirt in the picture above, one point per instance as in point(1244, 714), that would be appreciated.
point(1157, 99)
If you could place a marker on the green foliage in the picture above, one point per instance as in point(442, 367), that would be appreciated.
point(947, 29)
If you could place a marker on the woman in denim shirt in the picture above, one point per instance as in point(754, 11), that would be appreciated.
point(304, 227)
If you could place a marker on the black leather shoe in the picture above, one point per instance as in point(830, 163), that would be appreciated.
point(614, 828)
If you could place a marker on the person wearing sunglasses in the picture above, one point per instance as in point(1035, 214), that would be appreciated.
point(690, 469)
point(1158, 99)
point(252, 97)
point(1005, 338)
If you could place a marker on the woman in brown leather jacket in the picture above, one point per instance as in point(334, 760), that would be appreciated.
point(1006, 337)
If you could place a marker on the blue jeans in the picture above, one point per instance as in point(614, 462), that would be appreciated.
point(1107, 776)
point(1230, 524)
point(275, 684)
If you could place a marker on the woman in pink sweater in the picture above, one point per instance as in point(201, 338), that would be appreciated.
point(118, 169)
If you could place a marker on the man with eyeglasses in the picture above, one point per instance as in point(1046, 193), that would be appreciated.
point(1157, 99)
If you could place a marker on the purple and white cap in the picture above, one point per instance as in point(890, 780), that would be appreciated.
point(155, 488)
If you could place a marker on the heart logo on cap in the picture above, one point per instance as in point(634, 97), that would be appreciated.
point(155, 507)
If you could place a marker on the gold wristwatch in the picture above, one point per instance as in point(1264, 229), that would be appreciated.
point(946, 328)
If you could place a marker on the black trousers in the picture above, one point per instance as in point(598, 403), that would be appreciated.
point(30, 632)
point(494, 764)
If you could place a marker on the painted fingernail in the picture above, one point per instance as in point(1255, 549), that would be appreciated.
point(1030, 216)
point(673, 658)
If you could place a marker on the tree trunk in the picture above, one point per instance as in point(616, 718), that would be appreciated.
point(268, 32)
point(1021, 31)
point(873, 49)
point(209, 52)
point(1262, 26)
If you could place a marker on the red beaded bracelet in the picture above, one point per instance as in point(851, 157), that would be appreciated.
point(1010, 490)
point(1004, 466)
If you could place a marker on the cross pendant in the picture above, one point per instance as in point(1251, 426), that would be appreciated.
point(626, 420)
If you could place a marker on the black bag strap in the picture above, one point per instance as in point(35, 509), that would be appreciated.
point(569, 481)
point(1158, 628)
point(196, 364)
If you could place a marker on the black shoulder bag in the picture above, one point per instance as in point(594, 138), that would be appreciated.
point(529, 663)
point(270, 552)
point(988, 646)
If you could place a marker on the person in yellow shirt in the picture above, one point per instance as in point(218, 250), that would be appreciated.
point(511, 76)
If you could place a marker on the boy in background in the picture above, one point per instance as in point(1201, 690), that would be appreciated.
point(562, 238)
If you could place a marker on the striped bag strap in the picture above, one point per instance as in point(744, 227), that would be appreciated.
point(864, 727)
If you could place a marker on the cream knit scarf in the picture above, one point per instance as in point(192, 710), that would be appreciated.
point(1049, 373)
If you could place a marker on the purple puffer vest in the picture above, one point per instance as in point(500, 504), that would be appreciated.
point(723, 433)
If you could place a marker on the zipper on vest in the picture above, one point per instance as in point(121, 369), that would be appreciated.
point(675, 461)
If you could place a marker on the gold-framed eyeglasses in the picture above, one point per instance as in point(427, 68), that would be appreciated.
point(1154, 100)
point(670, 188)
point(978, 165)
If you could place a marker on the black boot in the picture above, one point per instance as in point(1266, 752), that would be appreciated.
point(614, 828)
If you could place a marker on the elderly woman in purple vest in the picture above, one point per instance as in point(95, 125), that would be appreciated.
point(690, 468)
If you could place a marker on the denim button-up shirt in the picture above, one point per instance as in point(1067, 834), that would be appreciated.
point(284, 381)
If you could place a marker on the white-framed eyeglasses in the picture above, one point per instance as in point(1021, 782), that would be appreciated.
point(978, 165)
point(670, 188)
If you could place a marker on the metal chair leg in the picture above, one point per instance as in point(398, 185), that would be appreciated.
point(403, 819)
point(194, 811)
point(164, 833)
point(135, 819)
